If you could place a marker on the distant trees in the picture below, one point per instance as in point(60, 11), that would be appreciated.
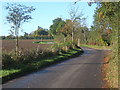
point(2, 37)
point(41, 32)
point(17, 15)
point(26, 35)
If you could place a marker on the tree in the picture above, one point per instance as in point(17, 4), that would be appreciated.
point(17, 15)
point(76, 21)
point(66, 30)
point(41, 32)
point(58, 23)
point(110, 11)
point(106, 26)
point(2, 37)
point(26, 35)
point(39, 27)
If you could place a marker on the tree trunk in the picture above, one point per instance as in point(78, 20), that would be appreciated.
point(72, 36)
point(66, 47)
point(85, 39)
point(17, 47)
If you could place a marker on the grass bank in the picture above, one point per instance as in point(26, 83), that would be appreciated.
point(95, 46)
point(110, 71)
point(8, 74)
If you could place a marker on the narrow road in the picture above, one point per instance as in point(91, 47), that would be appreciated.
point(80, 72)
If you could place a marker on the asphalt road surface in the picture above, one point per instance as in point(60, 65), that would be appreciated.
point(80, 72)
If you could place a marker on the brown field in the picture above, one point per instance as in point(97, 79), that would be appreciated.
point(9, 45)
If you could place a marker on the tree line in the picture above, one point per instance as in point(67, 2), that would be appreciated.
point(70, 32)
point(40, 33)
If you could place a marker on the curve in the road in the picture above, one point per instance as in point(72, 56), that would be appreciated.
point(79, 72)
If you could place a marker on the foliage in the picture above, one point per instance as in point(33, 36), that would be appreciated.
point(58, 23)
point(17, 15)
point(26, 36)
point(25, 57)
point(40, 32)
point(67, 35)
point(7, 59)
point(67, 29)
point(108, 13)
point(105, 29)
point(30, 64)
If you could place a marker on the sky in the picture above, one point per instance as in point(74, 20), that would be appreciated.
point(44, 14)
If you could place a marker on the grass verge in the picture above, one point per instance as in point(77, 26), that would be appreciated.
point(96, 47)
point(39, 64)
point(110, 71)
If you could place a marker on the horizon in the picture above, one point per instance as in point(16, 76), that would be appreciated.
point(46, 12)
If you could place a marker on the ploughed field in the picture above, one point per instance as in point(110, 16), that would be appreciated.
point(9, 45)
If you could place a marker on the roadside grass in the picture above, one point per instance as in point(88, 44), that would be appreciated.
point(20, 70)
point(96, 47)
point(111, 71)
point(4, 73)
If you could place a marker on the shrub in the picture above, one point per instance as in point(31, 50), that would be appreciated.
point(26, 56)
point(7, 60)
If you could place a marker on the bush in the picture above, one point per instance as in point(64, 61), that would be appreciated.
point(7, 60)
